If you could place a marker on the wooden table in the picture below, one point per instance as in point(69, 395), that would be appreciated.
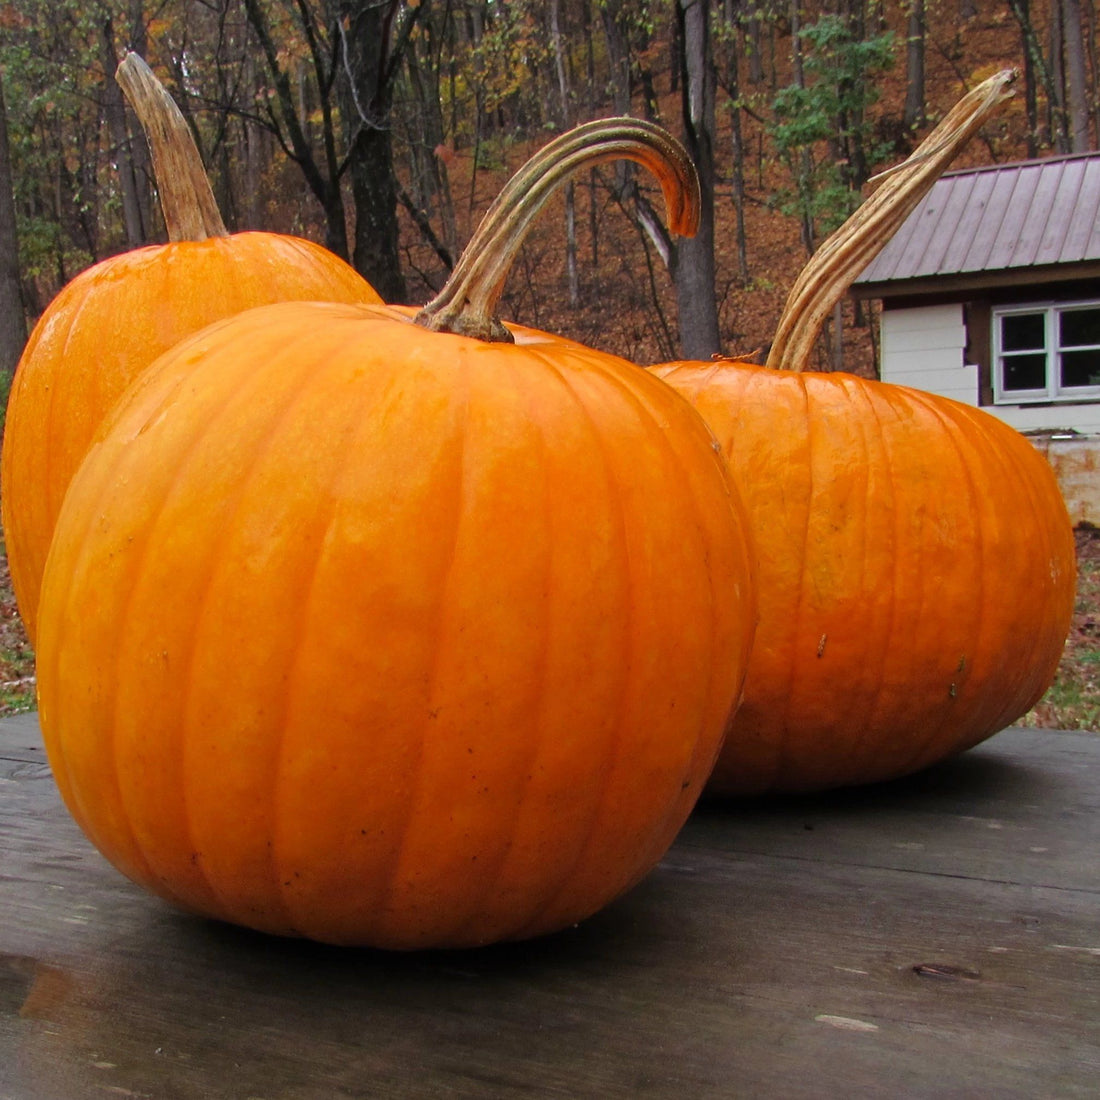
point(933, 937)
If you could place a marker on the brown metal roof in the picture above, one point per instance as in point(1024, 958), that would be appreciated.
point(1008, 216)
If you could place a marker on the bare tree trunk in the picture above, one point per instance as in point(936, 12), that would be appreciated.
point(365, 27)
point(643, 40)
point(1050, 80)
point(564, 109)
point(256, 154)
point(431, 179)
point(855, 171)
point(1031, 104)
point(798, 77)
point(115, 111)
point(914, 64)
point(1094, 69)
point(737, 173)
point(1074, 54)
point(756, 42)
point(593, 176)
point(565, 116)
point(618, 57)
point(13, 324)
point(1057, 87)
point(139, 150)
point(475, 29)
point(694, 268)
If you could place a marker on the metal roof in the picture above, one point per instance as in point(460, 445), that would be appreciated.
point(1007, 216)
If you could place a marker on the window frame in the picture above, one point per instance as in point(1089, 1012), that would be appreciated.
point(1053, 392)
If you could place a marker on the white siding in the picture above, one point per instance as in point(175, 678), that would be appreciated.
point(925, 326)
point(923, 348)
point(959, 383)
point(1031, 418)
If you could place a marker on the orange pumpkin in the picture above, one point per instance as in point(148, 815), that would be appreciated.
point(915, 574)
point(111, 321)
point(380, 635)
point(915, 558)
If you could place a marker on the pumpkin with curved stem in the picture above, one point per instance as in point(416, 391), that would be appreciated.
point(915, 558)
point(111, 321)
point(915, 574)
point(392, 636)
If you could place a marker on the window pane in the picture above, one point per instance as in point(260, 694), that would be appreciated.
point(1024, 372)
point(1023, 331)
point(1080, 327)
point(1081, 368)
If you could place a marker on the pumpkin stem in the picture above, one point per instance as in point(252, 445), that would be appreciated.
point(833, 268)
point(467, 303)
point(190, 212)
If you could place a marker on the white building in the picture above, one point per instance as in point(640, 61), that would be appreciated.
point(991, 296)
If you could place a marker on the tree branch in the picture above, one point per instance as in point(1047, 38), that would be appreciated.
point(425, 226)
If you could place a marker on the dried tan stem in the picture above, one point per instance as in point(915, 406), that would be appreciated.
point(833, 268)
point(467, 303)
point(190, 212)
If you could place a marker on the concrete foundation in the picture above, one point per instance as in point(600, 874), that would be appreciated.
point(1075, 459)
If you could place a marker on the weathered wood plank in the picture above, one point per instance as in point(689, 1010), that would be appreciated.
point(893, 941)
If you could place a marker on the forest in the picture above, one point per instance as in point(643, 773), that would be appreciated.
point(383, 129)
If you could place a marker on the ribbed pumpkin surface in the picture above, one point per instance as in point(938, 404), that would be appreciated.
point(373, 635)
point(915, 574)
point(101, 332)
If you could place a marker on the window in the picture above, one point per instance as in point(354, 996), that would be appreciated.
point(1046, 353)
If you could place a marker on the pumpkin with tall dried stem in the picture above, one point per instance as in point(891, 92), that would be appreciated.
point(915, 558)
point(111, 321)
point(382, 635)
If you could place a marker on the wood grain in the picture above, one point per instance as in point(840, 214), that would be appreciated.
point(934, 937)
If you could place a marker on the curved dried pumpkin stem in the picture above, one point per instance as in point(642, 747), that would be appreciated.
point(834, 266)
point(190, 212)
point(467, 303)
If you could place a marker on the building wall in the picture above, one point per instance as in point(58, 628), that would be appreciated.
point(923, 348)
point(1050, 418)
